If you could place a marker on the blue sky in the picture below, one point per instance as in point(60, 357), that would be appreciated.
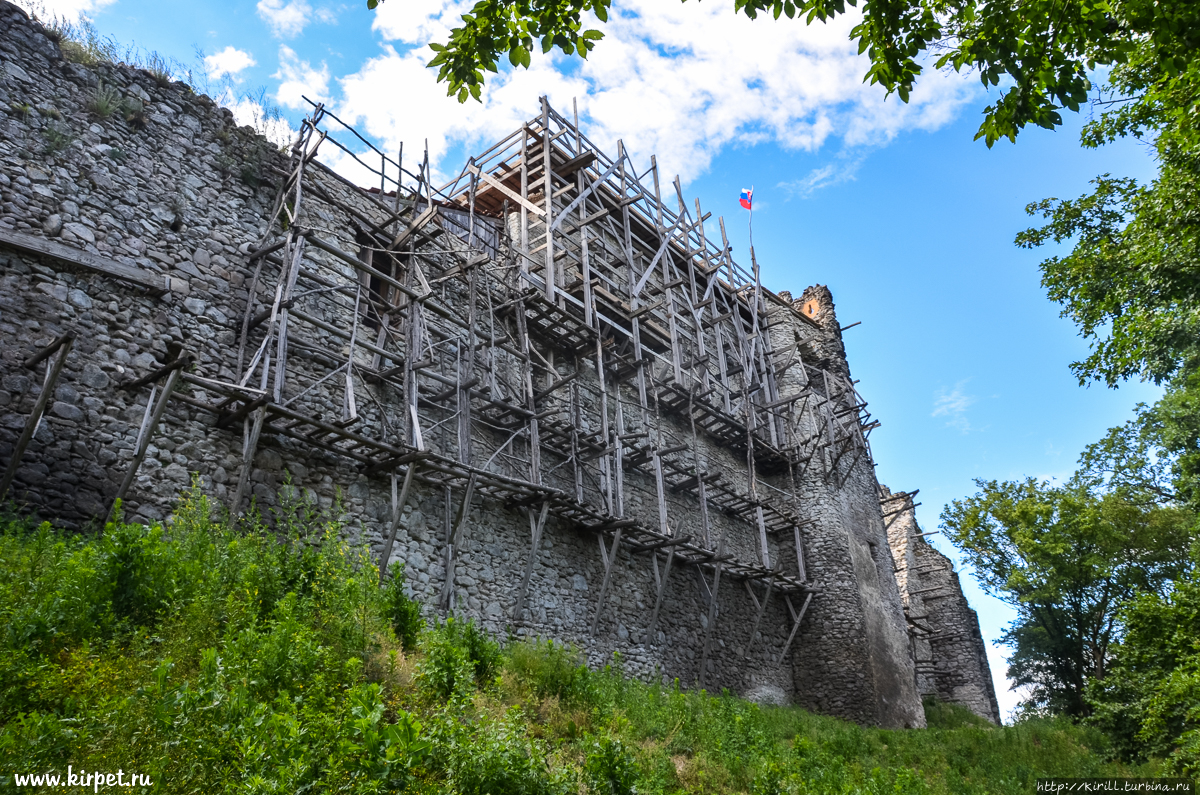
point(907, 220)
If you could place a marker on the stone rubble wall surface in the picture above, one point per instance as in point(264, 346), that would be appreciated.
point(185, 194)
point(948, 646)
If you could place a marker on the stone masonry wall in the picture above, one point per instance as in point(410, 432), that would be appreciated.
point(948, 647)
point(178, 192)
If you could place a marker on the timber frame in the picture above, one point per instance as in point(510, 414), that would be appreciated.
point(518, 335)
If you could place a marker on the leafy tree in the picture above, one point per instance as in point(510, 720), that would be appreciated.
point(1066, 558)
point(1132, 281)
point(1042, 49)
point(1150, 701)
point(1153, 458)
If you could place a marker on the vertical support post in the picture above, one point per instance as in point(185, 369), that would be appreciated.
point(799, 554)
point(523, 260)
point(548, 192)
point(63, 346)
point(144, 440)
point(712, 610)
point(610, 562)
point(251, 430)
point(701, 486)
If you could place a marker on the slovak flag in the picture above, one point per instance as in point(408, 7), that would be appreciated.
point(747, 196)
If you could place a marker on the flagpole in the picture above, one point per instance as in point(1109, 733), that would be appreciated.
point(750, 225)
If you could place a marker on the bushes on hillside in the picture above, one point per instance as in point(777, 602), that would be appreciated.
point(266, 658)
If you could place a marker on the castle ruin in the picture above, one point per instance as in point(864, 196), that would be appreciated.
point(541, 387)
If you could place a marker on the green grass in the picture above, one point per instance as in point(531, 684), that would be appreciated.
point(266, 659)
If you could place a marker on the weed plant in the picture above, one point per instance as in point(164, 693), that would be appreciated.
point(266, 658)
point(57, 138)
point(134, 112)
point(105, 101)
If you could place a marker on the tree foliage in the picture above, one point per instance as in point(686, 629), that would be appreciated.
point(1040, 50)
point(1066, 558)
point(1150, 702)
point(1132, 281)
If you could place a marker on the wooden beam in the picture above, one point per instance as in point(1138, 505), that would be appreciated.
point(397, 510)
point(796, 619)
point(156, 283)
point(712, 610)
point(610, 560)
point(666, 542)
point(182, 361)
point(456, 533)
point(662, 589)
point(762, 608)
point(507, 191)
point(63, 346)
point(144, 440)
point(535, 529)
point(251, 430)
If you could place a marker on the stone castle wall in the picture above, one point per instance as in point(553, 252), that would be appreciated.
point(948, 647)
point(135, 233)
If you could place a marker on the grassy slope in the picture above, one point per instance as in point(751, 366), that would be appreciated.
point(220, 661)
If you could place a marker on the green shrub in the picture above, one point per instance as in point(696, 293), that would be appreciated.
point(247, 660)
point(403, 613)
point(159, 69)
point(81, 43)
point(57, 138)
point(446, 673)
point(482, 650)
point(498, 758)
point(610, 769)
point(551, 669)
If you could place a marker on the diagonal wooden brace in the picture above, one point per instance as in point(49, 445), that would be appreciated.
point(796, 619)
point(397, 511)
point(535, 528)
point(456, 534)
point(712, 610)
point(662, 588)
point(251, 431)
point(144, 438)
point(762, 608)
point(610, 558)
point(63, 346)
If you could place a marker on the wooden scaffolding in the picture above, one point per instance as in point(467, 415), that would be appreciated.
point(542, 331)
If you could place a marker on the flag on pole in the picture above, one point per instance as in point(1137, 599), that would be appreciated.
point(747, 197)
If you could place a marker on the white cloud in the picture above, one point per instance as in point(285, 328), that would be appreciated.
point(229, 61)
point(288, 19)
point(66, 10)
point(297, 79)
point(953, 405)
point(843, 169)
point(252, 111)
point(684, 81)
